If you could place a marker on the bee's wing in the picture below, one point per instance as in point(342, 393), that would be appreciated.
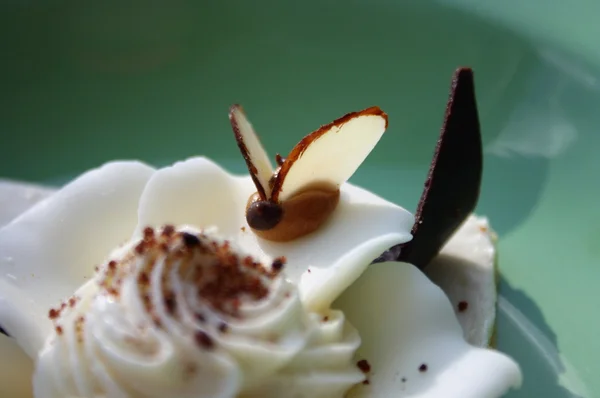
point(254, 153)
point(331, 154)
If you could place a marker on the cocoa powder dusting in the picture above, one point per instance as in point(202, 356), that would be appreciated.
point(229, 278)
point(221, 278)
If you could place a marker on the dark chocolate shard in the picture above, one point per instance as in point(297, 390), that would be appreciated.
point(452, 187)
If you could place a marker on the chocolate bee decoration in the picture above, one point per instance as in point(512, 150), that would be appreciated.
point(299, 196)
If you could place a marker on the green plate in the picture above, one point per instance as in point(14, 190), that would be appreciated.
point(83, 83)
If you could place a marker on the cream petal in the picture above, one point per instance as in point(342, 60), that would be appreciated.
point(16, 197)
point(466, 271)
point(48, 251)
point(405, 321)
point(327, 261)
point(196, 192)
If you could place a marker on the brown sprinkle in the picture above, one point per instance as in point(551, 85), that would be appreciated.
point(59, 330)
point(364, 366)
point(278, 264)
point(223, 327)
point(200, 317)
point(204, 340)
point(141, 247)
point(170, 303)
point(423, 368)
point(190, 240)
point(168, 231)
point(53, 314)
point(143, 279)
point(148, 233)
point(463, 306)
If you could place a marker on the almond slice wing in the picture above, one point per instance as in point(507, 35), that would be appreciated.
point(331, 154)
point(254, 153)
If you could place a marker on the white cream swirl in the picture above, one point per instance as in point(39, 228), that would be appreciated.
point(323, 369)
point(184, 313)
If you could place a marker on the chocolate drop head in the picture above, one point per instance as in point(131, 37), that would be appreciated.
point(263, 215)
point(452, 187)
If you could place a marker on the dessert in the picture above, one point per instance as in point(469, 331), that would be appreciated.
point(188, 281)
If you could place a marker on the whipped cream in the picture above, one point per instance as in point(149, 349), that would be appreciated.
point(181, 312)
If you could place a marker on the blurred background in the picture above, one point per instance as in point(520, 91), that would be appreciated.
point(86, 82)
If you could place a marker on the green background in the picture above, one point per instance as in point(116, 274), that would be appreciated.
point(83, 83)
